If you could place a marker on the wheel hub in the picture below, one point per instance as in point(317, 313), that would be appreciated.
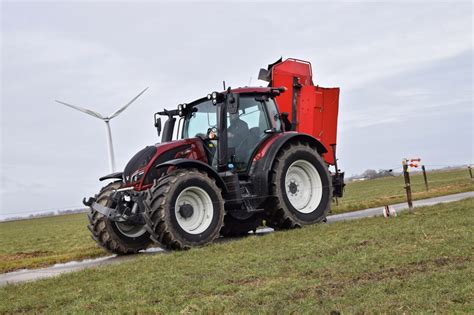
point(303, 186)
point(194, 210)
point(293, 187)
point(186, 210)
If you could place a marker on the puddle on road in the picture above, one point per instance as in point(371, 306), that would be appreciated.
point(57, 269)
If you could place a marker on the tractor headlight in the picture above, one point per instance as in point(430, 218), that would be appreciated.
point(215, 97)
point(137, 176)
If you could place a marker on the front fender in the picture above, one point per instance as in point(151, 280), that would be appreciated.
point(117, 175)
point(188, 163)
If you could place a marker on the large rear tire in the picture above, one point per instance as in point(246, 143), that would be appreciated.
point(114, 237)
point(184, 209)
point(300, 186)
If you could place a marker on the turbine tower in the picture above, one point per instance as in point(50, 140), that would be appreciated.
point(107, 124)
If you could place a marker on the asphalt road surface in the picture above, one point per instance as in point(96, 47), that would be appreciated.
point(35, 274)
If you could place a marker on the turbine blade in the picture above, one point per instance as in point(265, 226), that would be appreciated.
point(84, 110)
point(128, 104)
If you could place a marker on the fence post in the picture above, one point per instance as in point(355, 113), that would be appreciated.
point(470, 170)
point(424, 176)
point(406, 176)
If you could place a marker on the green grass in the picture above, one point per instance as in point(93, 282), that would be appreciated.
point(46, 241)
point(390, 190)
point(414, 263)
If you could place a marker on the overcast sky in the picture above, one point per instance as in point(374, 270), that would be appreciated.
point(405, 71)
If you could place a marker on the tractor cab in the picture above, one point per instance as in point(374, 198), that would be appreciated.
point(230, 124)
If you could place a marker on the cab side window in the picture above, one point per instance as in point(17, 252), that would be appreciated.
point(273, 114)
point(245, 130)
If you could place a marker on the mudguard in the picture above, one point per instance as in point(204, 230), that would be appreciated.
point(117, 175)
point(260, 169)
point(188, 163)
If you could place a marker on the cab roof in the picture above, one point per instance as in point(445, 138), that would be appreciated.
point(240, 90)
point(251, 89)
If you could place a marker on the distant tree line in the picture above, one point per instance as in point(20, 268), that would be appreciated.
point(372, 174)
point(46, 214)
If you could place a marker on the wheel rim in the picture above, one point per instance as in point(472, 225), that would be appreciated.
point(130, 230)
point(303, 186)
point(194, 210)
point(126, 229)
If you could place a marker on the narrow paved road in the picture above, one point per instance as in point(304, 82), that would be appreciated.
point(35, 274)
point(399, 207)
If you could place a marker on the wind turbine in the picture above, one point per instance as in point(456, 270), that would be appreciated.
point(107, 124)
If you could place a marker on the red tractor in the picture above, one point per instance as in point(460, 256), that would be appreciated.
point(232, 160)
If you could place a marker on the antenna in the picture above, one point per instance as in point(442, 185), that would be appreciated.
point(107, 124)
point(223, 83)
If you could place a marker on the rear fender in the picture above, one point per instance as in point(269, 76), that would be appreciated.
point(188, 163)
point(263, 160)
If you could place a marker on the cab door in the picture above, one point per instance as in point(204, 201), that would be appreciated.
point(255, 119)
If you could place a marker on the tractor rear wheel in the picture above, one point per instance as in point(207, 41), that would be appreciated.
point(300, 184)
point(117, 238)
point(184, 209)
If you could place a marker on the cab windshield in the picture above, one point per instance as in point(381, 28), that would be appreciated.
point(254, 120)
point(199, 120)
point(204, 116)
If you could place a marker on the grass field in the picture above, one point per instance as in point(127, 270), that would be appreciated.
point(390, 190)
point(46, 241)
point(414, 263)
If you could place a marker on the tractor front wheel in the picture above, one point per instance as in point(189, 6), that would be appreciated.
point(301, 187)
point(184, 209)
point(117, 238)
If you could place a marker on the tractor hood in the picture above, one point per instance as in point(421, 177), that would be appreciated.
point(139, 161)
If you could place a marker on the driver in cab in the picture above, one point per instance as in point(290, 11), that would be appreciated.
point(237, 132)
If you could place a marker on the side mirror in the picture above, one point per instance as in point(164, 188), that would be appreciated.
point(158, 124)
